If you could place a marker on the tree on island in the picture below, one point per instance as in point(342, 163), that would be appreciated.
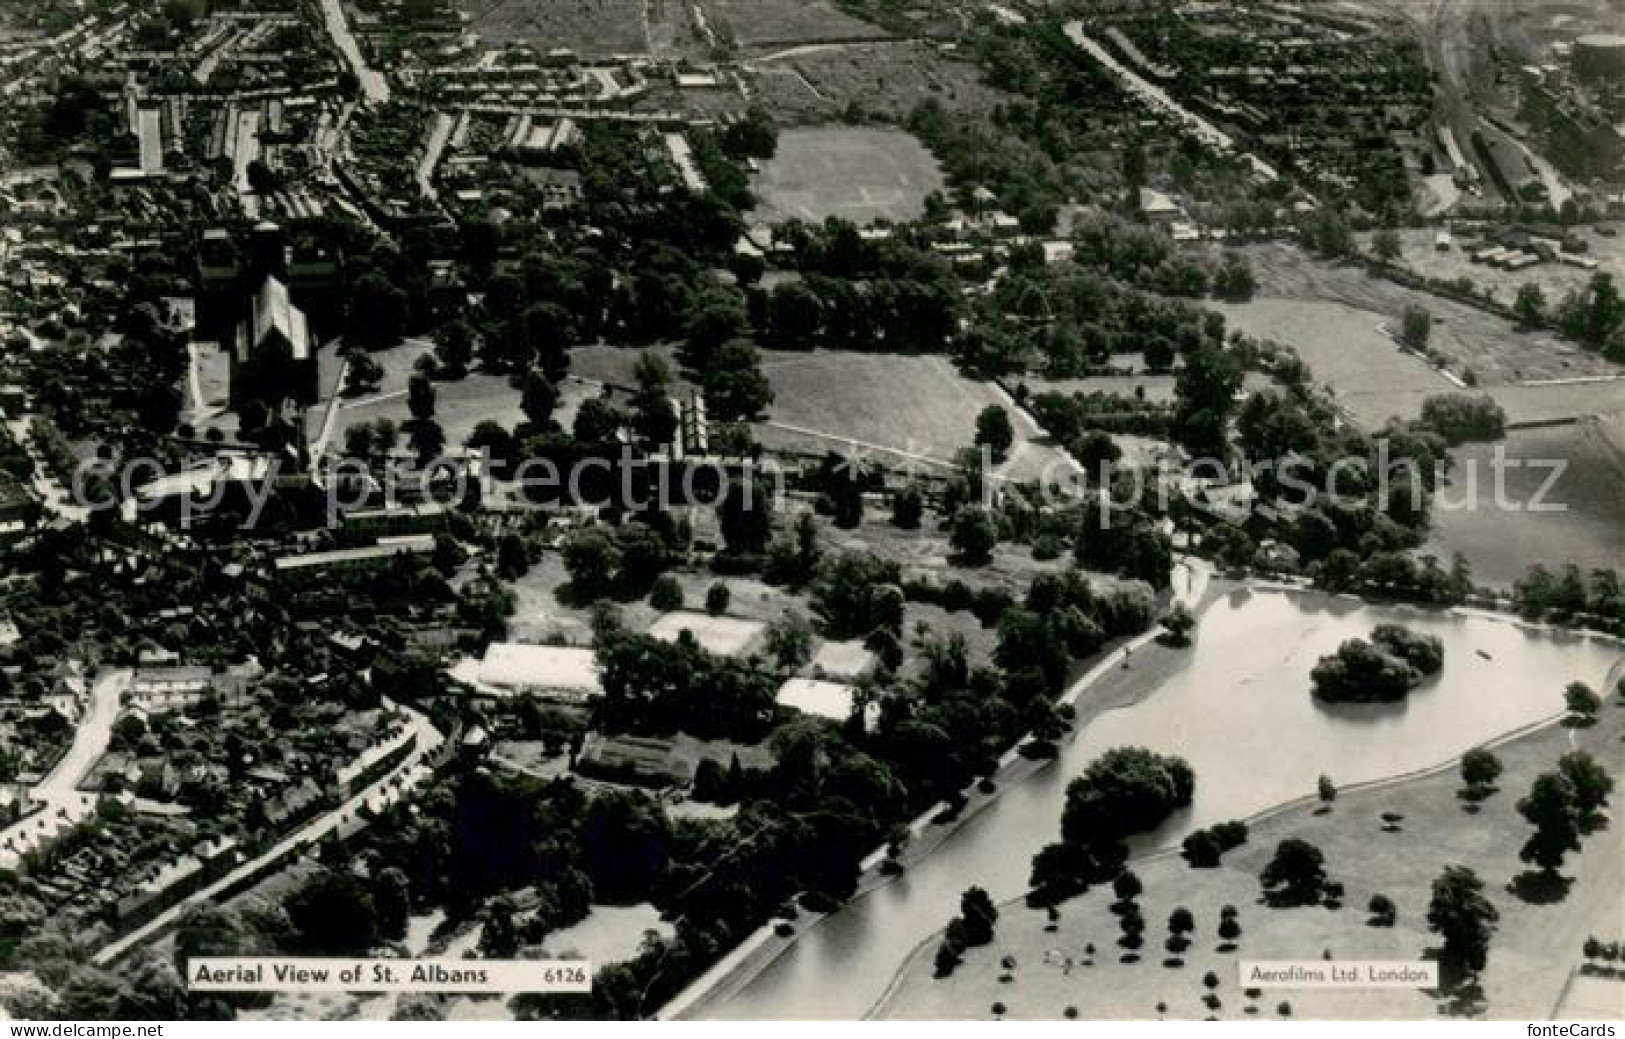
point(1393, 663)
point(1178, 624)
point(1125, 791)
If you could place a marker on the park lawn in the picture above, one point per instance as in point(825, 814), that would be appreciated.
point(898, 408)
point(460, 405)
point(1531, 959)
point(862, 174)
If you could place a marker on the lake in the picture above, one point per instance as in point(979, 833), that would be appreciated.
point(1239, 710)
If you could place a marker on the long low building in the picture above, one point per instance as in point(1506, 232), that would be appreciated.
point(517, 668)
point(365, 557)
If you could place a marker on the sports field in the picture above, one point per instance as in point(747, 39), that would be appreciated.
point(862, 174)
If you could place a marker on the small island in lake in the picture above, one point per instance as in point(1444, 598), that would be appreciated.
point(1381, 670)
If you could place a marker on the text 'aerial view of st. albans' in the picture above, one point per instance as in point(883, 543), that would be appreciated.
point(770, 510)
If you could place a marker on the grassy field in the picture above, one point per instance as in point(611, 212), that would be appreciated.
point(1346, 350)
point(1470, 339)
point(885, 79)
point(755, 23)
point(588, 27)
point(459, 406)
point(1531, 957)
point(540, 617)
point(1555, 279)
point(673, 31)
point(1563, 400)
point(1500, 544)
point(859, 173)
point(900, 408)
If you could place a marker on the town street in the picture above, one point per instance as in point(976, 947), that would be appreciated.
point(373, 83)
point(54, 495)
point(386, 790)
point(1157, 98)
point(58, 795)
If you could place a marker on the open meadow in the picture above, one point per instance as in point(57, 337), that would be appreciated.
point(459, 405)
point(1347, 350)
point(862, 174)
point(885, 79)
point(1467, 338)
point(589, 27)
point(898, 410)
point(786, 23)
point(1580, 522)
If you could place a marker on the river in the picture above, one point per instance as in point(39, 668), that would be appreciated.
point(1239, 710)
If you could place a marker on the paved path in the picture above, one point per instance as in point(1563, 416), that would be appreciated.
point(318, 450)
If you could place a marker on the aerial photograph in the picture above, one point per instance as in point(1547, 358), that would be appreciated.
point(790, 511)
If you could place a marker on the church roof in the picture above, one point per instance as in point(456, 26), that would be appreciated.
point(273, 310)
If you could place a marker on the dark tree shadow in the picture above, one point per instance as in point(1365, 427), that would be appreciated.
point(1459, 992)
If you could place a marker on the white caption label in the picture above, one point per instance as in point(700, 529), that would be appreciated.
point(1338, 974)
point(299, 974)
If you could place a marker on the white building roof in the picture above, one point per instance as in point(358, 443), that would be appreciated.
point(824, 699)
point(518, 666)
